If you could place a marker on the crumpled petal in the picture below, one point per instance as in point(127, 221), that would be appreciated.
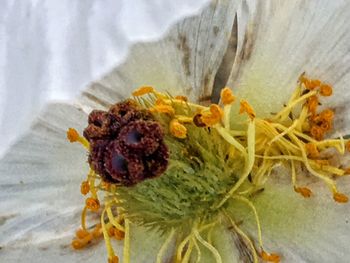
point(184, 62)
point(41, 174)
point(279, 40)
point(50, 50)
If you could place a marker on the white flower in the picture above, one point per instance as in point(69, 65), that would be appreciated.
point(276, 42)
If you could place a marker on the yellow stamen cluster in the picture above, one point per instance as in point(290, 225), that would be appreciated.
point(293, 137)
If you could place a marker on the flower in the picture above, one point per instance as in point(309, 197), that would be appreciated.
point(280, 42)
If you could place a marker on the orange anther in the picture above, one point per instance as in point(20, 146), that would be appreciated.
point(347, 146)
point(312, 104)
point(97, 231)
point(327, 114)
point(212, 117)
point(118, 234)
point(72, 135)
point(227, 97)
point(270, 257)
point(183, 98)
point(76, 244)
point(340, 198)
point(93, 204)
point(177, 129)
point(317, 132)
point(142, 91)
point(312, 84)
point(246, 108)
point(113, 259)
point(304, 191)
point(85, 188)
point(311, 150)
point(162, 108)
point(347, 170)
point(81, 233)
point(326, 90)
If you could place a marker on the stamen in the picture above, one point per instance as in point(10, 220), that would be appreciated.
point(226, 96)
point(312, 150)
point(340, 198)
point(165, 246)
point(275, 258)
point(183, 98)
point(73, 136)
point(326, 90)
point(177, 129)
point(92, 204)
point(162, 108)
point(246, 108)
point(113, 259)
point(304, 191)
point(142, 91)
point(212, 117)
point(84, 188)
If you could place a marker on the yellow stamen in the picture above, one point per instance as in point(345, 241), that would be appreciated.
point(177, 129)
point(246, 108)
point(326, 90)
point(270, 257)
point(226, 96)
point(84, 188)
point(163, 108)
point(81, 233)
point(113, 259)
point(340, 198)
point(73, 136)
point(312, 104)
point(143, 91)
point(304, 191)
point(347, 146)
point(92, 204)
point(183, 98)
point(212, 117)
point(312, 151)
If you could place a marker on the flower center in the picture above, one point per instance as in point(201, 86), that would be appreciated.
point(200, 163)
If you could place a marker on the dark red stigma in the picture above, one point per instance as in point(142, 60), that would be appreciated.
point(126, 144)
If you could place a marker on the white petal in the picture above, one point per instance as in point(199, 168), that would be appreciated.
point(184, 62)
point(41, 174)
point(282, 39)
point(50, 50)
point(298, 229)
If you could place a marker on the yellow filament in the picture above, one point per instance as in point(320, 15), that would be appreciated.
point(252, 207)
point(165, 246)
point(286, 110)
point(240, 232)
point(199, 254)
point(106, 237)
point(188, 251)
point(211, 248)
point(181, 247)
point(224, 134)
point(249, 162)
point(126, 251)
point(83, 218)
point(112, 219)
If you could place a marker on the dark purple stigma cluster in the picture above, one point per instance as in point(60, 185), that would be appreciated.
point(126, 144)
